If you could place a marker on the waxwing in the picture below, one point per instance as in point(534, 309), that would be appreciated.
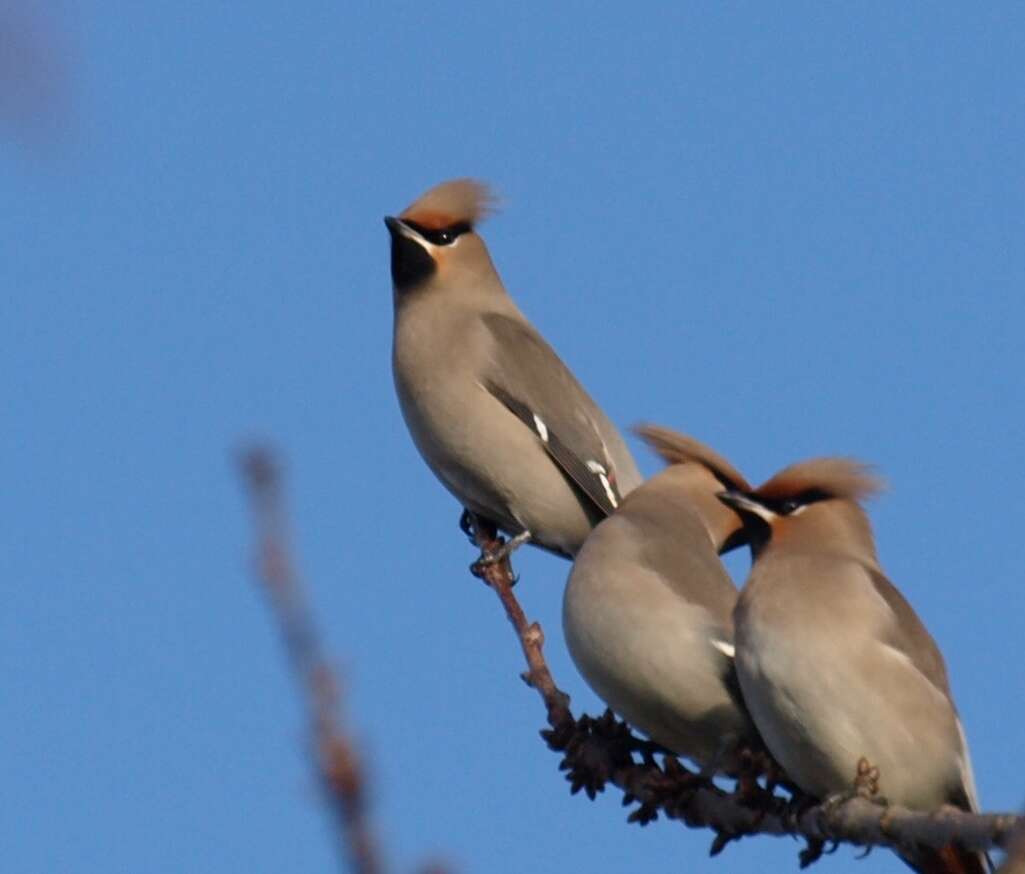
point(833, 663)
point(493, 410)
point(647, 611)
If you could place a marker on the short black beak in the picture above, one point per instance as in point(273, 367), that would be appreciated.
point(393, 224)
point(736, 500)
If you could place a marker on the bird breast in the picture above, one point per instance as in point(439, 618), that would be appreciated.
point(824, 690)
point(645, 650)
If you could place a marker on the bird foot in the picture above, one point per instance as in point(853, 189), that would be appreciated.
point(467, 527)
point(750, 793)
point(489, 557)
point(866, 780)
point(865, 785)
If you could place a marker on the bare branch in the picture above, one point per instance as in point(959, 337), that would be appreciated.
point(338, 766)
point(603, 750)
point(1015, 861)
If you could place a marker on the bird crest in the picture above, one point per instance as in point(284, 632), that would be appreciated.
point(458, 201)
point(676, 448)
point(844, 478)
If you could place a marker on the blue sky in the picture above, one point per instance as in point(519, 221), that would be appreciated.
point(789, 232)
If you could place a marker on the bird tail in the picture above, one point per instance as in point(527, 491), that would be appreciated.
point(949, 860)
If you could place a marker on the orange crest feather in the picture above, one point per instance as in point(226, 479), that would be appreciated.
point(844, 478)
point(452, 202)
point(676, 448)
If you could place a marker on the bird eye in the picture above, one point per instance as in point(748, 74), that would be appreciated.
point(447, 236)
point(788, 507)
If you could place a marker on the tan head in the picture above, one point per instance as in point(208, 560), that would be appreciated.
point(433, 239)
point(813, 505)
point(700, 473)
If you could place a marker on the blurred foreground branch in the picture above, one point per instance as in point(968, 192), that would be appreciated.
point(1015, 861)
point(600, 751)
point(338, 766)
point(35, 73)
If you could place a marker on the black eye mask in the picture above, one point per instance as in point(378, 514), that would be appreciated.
point(439, 236)
point(786, 506)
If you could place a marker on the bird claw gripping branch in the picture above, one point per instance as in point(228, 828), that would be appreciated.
point(497, 552)
point(466, 526)
point(866, 781)
point(865, 785)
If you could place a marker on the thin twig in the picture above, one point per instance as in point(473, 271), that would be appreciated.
point(499, 576)
point(338, 766)
point(603, 750)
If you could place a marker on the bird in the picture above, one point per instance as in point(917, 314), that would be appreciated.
point(496, 415)
point(837, 670)
point(647, 608)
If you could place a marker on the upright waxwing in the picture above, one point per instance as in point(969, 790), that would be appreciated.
point(833, 663)
point(493, 410)
point(647, 609)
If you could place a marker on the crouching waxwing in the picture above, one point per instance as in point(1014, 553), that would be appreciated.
point(647, 609)
point(493, 410)
point(833, 663)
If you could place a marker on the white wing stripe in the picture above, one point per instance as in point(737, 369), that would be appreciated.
point(599, 470)
point(725, 648)
point(542, 428)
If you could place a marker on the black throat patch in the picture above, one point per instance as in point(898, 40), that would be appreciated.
point(411, 263)
point(757, 533)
